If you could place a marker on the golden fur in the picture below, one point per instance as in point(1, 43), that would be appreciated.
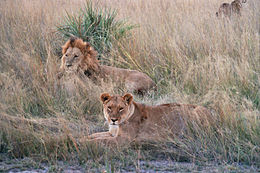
point(80, 56)
point(131, 121)
point(87, 54)
point(227, 10)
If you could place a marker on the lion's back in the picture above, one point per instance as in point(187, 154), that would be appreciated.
point(174, 118)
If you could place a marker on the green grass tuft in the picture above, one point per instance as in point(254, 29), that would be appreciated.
point(95, 25)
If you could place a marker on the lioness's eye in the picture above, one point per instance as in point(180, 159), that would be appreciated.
point(121, 109)
point(76, 56)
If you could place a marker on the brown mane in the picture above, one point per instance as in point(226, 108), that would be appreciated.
point(90, 61)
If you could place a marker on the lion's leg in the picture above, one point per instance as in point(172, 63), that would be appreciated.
point(101, 135)
point(107, 138)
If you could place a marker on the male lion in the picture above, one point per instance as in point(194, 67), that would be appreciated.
point(81, 56)
point(129, 120)
point(226, 9)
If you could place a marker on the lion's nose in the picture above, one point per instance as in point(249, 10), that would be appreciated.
point(114, 119)
point(68, 65)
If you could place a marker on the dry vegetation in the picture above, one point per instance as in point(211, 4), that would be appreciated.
point(191, 55)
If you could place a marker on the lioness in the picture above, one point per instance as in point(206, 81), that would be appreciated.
point(226, 9)
point(81, 56)
point(129, 120)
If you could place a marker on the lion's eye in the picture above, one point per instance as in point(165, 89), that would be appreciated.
point(109, 108)
point(76, 56)
point(121, 109)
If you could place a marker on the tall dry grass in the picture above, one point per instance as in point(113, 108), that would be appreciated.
point(193, 57)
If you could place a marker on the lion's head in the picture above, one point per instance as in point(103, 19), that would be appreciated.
point(78, 54)
point(117, 109)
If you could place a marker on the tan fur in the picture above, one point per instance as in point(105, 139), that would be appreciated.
point(224, 10)
point(131, 121)
point(227, 10)
point(79, 55)
point(87, 55)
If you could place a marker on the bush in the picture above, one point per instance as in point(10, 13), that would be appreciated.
point(95, 25)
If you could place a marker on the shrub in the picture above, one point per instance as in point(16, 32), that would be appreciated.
point(95, 25)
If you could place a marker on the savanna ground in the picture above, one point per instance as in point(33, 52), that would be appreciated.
point(192, 56)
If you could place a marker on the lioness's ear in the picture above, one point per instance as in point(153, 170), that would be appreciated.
point(128, 97)
point(104, 97)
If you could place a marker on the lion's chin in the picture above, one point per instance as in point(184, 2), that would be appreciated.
point(114, 130)
point(114, 124)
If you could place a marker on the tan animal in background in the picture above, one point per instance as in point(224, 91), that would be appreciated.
point(81, 56)
point(227, 10)
point(224, 10)
point(236, 6)
point(131, 121)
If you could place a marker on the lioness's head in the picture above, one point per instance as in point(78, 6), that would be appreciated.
point(78, 54)
point(117, 109)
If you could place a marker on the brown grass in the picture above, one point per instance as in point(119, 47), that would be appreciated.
point(193, 57)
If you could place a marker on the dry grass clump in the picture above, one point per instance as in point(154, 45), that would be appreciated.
point(193, 57)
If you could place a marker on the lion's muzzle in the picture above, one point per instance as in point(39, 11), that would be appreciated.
point(68, 65)
point(114, 119)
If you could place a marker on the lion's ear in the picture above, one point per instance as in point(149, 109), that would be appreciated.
point(128, 98)
point(65, 47)
point(69, 43)
point(88, 47)
point(104, 97)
